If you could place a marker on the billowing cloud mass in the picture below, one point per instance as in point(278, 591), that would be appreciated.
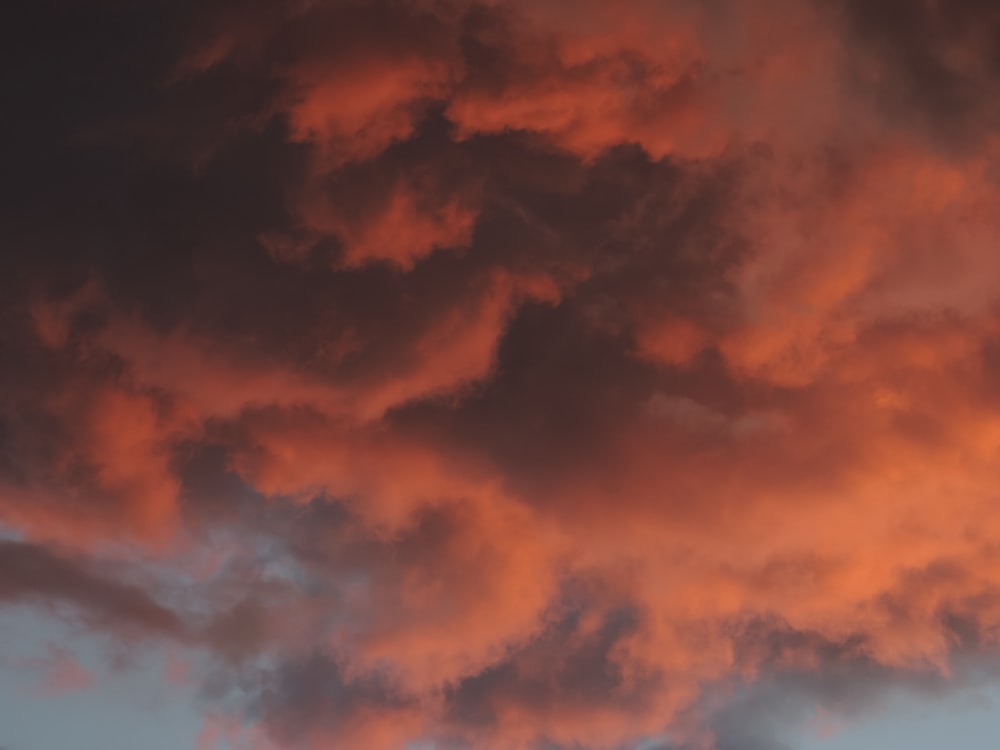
point(505, 374)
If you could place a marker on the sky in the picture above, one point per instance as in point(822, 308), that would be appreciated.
point(500, 375)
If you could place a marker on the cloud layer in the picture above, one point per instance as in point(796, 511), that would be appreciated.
point(504, 374)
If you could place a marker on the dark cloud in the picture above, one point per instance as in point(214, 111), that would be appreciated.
point(935, 62)
point(34, 573)
point(768, 713)
point(501, 375)
point(311, 698)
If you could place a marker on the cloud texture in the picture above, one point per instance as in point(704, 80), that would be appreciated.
point(504, 374)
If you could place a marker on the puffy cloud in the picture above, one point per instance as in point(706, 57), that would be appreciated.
point(496, 375)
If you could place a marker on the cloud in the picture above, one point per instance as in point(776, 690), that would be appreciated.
point(793, 704)
point(31, 572)
point(936, 65)
point(490, 375)
point(62, 673)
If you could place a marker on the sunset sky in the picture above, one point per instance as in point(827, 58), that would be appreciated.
point(500, 375)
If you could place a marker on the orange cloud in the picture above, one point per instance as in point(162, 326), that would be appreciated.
point(505, 375)
point(401, 231)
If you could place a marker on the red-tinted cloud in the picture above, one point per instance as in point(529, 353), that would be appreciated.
point(501, 374)
point(61, 673)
